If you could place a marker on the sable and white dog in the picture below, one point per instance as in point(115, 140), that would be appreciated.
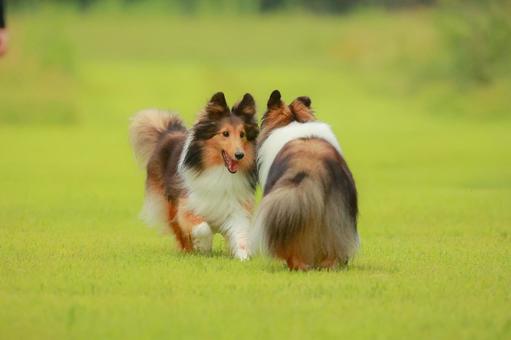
point(308, 214)
point(200, 181)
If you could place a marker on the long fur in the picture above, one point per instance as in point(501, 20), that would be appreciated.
point(189, 187)
point(146, 129)
point(216, 193)
point(287, 211)
point(278, 138)
point(308, 214)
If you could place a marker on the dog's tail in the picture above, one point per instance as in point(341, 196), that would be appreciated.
point(303, 219)
point(146, 129)
point(286, 213)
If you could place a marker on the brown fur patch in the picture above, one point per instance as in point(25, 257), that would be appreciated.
point(274, 118)
point(329, 263)
point(184, 224)
point(301, 111)
point(279, 114)
point(295, 263)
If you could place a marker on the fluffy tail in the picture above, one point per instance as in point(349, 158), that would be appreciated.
point(302, 219)
point(146, 129)
point(285, 214)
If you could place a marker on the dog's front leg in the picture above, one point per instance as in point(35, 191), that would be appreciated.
point(195, 231)
point(202, 237)
point(235, 231)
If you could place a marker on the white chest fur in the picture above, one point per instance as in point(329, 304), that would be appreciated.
point(217, 194)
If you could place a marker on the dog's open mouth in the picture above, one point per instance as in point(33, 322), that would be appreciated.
point(230, 163)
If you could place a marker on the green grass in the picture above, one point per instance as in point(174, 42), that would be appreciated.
point(432, 164)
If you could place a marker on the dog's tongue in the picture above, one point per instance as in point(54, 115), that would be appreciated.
point(232, 165)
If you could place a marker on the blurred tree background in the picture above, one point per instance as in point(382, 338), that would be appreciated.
point(322, 6)
point(477, 34)
point(452, 56)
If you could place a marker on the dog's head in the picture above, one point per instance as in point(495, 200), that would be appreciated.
point(225, 136)
point(278, 114)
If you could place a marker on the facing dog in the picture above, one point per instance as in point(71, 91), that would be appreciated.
point(203, 180)
point(308, 214)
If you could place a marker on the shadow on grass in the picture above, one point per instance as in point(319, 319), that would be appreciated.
point(266, 264)
point(275, 266)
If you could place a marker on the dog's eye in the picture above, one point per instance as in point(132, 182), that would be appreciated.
point(242, 134)
point(225, 133)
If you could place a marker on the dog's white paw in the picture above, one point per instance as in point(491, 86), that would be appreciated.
point(202, 237)
point(242, 255)
point(241, 252)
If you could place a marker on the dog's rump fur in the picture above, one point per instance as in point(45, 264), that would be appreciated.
point(309, 210)
point(158, 138)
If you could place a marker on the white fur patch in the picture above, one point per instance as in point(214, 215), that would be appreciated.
point(281, 136)
point(202, 237)
point(154, 211)
point(181, 165)
point(221, 198)
point(216, 194)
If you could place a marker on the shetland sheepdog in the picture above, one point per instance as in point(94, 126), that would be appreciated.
point(308, 213)
point(200, 181)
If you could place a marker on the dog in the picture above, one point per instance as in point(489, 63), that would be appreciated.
point(200, 181)
point(308, 213)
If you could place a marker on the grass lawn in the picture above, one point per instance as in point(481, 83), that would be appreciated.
point(432, 164)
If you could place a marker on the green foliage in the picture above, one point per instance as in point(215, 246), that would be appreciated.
point(478, 37)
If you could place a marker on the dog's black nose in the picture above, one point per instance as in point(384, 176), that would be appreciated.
point(239, 155)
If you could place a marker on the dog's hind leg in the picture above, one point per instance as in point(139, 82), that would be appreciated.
point(328, 263)
point(295, 263)
point(182, 238)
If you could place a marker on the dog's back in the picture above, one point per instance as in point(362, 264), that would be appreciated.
point(310, 205)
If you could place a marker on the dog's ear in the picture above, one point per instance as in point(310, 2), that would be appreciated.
point(275, 100)
point(217, 106)
point(305, 100)
point(219, 99)
point(301, 109)
point(246, 108)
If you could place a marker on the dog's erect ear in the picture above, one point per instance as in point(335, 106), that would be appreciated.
point(275, 100)
point(300, 107)
point(219, 99)
point(217, 106)
point(246, 107)
point(305, 100)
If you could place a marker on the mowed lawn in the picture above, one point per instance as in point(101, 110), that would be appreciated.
point(434, 182)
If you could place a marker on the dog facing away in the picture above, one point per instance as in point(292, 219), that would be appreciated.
point(308, 214)
point(200, 181)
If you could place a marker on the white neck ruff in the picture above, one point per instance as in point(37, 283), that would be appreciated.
point(281, 136)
